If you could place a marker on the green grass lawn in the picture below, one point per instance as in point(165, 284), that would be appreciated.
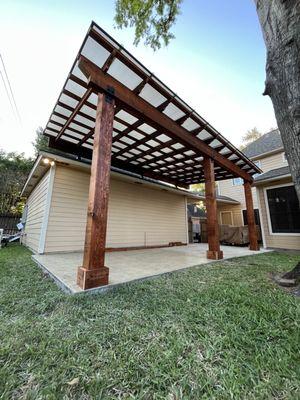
point(220, 331)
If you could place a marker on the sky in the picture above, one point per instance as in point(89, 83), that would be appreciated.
point(216, 63)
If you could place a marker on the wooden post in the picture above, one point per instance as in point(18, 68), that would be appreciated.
point(250, 217)
point(93, 272)
point(213, 252)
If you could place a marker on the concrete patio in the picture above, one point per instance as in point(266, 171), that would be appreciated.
point(127, 266)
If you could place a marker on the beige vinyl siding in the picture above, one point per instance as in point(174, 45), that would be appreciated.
point(236, 192)
point(137, 215)
point(226, 188)
point(275, 241)
point(272, 162)
point(36, 204)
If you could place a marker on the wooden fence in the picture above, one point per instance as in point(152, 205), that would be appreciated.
point(9, 222)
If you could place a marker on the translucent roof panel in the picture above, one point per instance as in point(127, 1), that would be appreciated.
point(152, 95)
point(164, 135)
point(95, 52)
point(124, 74)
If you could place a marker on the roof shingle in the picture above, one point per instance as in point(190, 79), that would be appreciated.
point(273, 173)
point(269, 142)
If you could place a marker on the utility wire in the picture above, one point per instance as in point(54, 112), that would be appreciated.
point(10, 88)
point(7, 92)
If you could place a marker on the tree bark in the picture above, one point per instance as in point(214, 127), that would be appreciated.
point(280, 23)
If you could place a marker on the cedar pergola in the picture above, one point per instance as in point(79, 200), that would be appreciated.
point(115, 112)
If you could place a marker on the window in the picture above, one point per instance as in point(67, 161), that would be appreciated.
point(284, 209)
point(256, 216)
point(258, 164)
point(237, 181)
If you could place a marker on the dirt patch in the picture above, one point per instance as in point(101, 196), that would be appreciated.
point(278, 279)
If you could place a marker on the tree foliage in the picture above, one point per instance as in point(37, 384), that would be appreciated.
point(14, 168)
point(279, 19)
point(250, 136)
point(40, 142)
point(151, 19)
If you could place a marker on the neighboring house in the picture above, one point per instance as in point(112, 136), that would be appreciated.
point(274, 196)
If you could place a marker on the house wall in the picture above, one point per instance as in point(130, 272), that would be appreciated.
point(279, 241)
point(236, 214)
point(226, 187)
point(137, 215)
point(36, 205)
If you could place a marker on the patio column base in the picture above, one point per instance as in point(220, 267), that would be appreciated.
point(254, 247)
point(91, 278)
point(214, 255)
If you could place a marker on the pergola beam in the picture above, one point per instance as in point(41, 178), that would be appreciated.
point(149, 113)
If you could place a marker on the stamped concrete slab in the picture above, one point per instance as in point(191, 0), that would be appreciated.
point(127, 266)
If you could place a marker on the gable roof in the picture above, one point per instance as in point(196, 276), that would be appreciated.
point(266, 143)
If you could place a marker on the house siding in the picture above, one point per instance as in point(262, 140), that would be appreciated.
point(272, 162)
point(291, 242)
point(36, 205)
point(226, 188)
point(137, 215)
point(237, 217)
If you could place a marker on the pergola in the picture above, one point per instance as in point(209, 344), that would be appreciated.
point(115, 112)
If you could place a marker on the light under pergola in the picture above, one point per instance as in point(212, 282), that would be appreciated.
point(140, 144)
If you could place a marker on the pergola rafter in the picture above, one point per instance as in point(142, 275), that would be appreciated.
point(138, 106)
point(114, 111)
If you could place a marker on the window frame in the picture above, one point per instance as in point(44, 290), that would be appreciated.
point(238, 184)
point(231, 215)
point(258, 164)
point(268, 211)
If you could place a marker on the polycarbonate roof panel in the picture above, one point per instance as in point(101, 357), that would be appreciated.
point(139, 145)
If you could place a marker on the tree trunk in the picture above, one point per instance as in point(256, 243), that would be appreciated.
point(280, 23)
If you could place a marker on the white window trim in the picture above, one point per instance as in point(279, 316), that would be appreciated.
point(186, 220)
point(242, 216)
point(223, 212)
point(262, 225)
point(268, 211)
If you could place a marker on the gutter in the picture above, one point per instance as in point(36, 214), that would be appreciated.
point(267, 153)
point(274, 178)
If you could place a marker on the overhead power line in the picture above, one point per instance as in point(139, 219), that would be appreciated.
point(9, 91)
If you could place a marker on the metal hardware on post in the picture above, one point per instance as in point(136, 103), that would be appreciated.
point(109, 94)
